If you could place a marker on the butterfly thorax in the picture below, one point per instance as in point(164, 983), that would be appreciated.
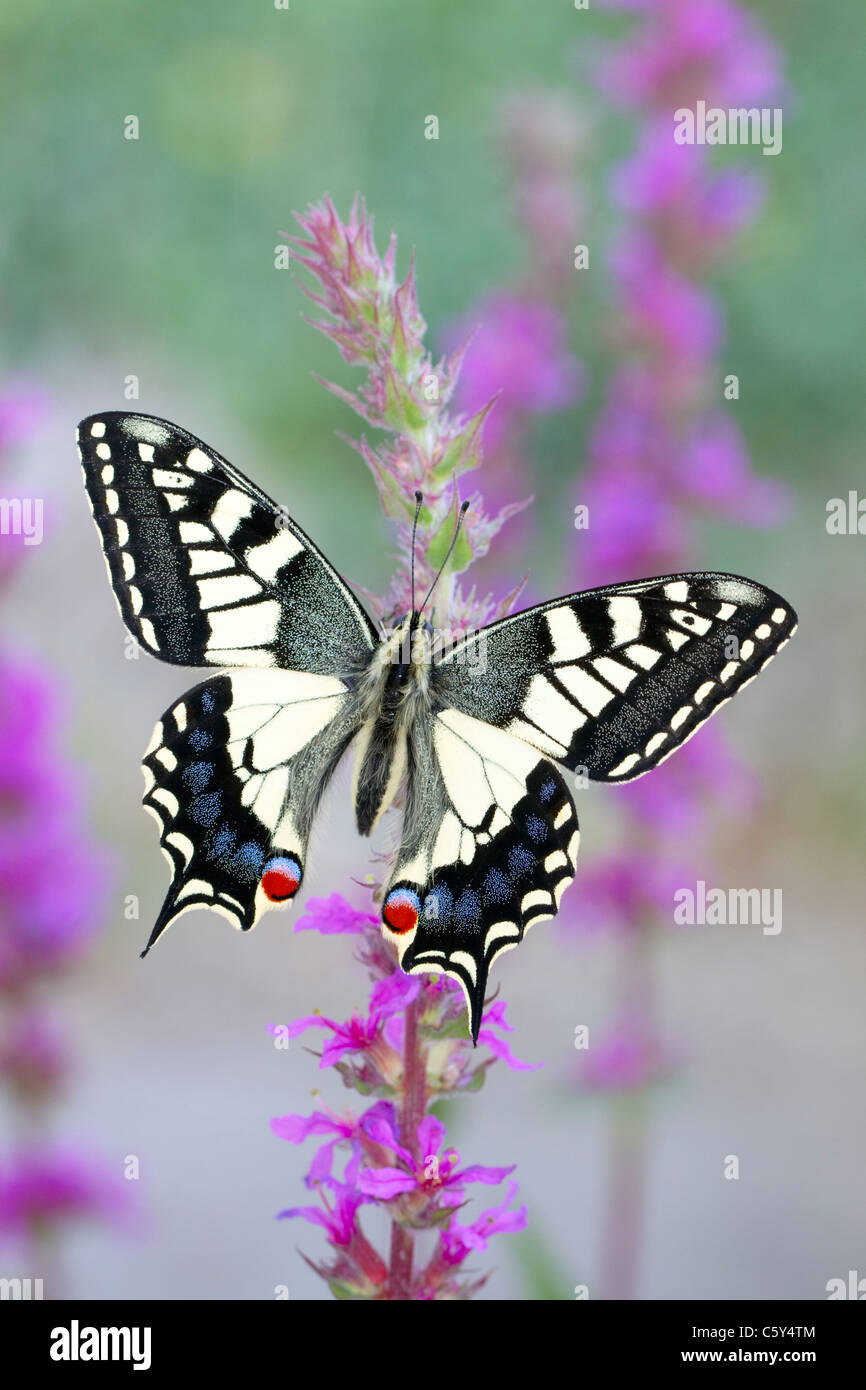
point(395, 691)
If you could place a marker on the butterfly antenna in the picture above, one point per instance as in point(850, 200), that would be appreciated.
point(418, 500)
point(463, 510)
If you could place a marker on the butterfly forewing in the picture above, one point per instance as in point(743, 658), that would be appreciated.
point(206, 569)
point(614, 679)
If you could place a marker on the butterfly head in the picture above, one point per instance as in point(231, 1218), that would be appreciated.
point(407, 651)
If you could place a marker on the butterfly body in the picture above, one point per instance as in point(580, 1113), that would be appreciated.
point(470, 742)
point(395, 696)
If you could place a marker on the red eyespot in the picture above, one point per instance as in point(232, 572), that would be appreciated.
point(281, 878)
point(401, 910)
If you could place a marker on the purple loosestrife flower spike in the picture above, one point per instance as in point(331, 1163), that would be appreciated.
point(660, 459)
point(409, 1047)
point(49, 912)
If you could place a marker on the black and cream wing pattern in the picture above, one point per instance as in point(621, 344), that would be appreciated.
point(612, 680)
point(607, 683)
point(475, 744)
point(208, 571)
point(489, 846)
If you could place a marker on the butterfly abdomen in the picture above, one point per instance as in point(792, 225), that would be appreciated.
point(379, 770)
point(397, 691)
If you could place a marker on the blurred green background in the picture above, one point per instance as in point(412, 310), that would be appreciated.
point(155, 257)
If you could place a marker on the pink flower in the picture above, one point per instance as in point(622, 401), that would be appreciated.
point(21, 409)
point(663, 178)
point(359, 1033)
point(49, 897)
point(715, 470)
point(41, 1187)
point(494, 1017)
point(34, 1055)
point(297, 1128)
point(690, 49)
point(661, 306)
point(516, 352)
point(458, 1241)
point(338, 1221)
point(634, 524)
point(626, 1060)
point(333, 915)
point(681, 796)
point(432, 1173)
point(622, 890)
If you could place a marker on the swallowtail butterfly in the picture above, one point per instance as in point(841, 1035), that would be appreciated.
point(209, 572)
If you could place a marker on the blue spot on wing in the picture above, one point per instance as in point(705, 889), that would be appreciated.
point(521, 861)
point(197, 775)
point(438, 904)
point(248, 859)
point(222, 843)
point(536, 829)
point(467, 911)
point(199, 739)
point(204, 810)
point(547, 792)
point(496, 887)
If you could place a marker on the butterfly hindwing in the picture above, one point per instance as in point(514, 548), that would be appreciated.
point(206, 569)
point(234, 773)
point(489, 846)
point(614, 679)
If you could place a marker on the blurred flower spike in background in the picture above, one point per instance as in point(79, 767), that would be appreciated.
point(53, 888)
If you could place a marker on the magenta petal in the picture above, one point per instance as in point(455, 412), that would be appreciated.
point(477, 1173)
point(431, 1132)
point(336, 1048)
point(350, 1176)
point(296, 1128)
point(385, 1183)
point(300, 1025)
point(392, 995)
point(382, 1109)
point(311, 1214)
point(322, 1164)
point(333, 915)
point(499, 1047)
point(381, 1131)
point(495, 1013)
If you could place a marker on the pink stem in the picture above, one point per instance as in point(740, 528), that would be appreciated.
point(412, 1110)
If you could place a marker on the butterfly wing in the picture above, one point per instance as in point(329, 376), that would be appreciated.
point(614, 679)
point(206, 569)
point(233, 775)
point(610, 681)
point(489, 843)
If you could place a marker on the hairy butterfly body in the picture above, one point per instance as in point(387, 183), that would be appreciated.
point(209, 572)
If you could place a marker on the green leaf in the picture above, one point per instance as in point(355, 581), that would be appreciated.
point(343, 1291)
point(396, 501)
point(464, 451)
point(454, 1028)
point(478, 1079)
point(402, 411)
point(437, 548)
